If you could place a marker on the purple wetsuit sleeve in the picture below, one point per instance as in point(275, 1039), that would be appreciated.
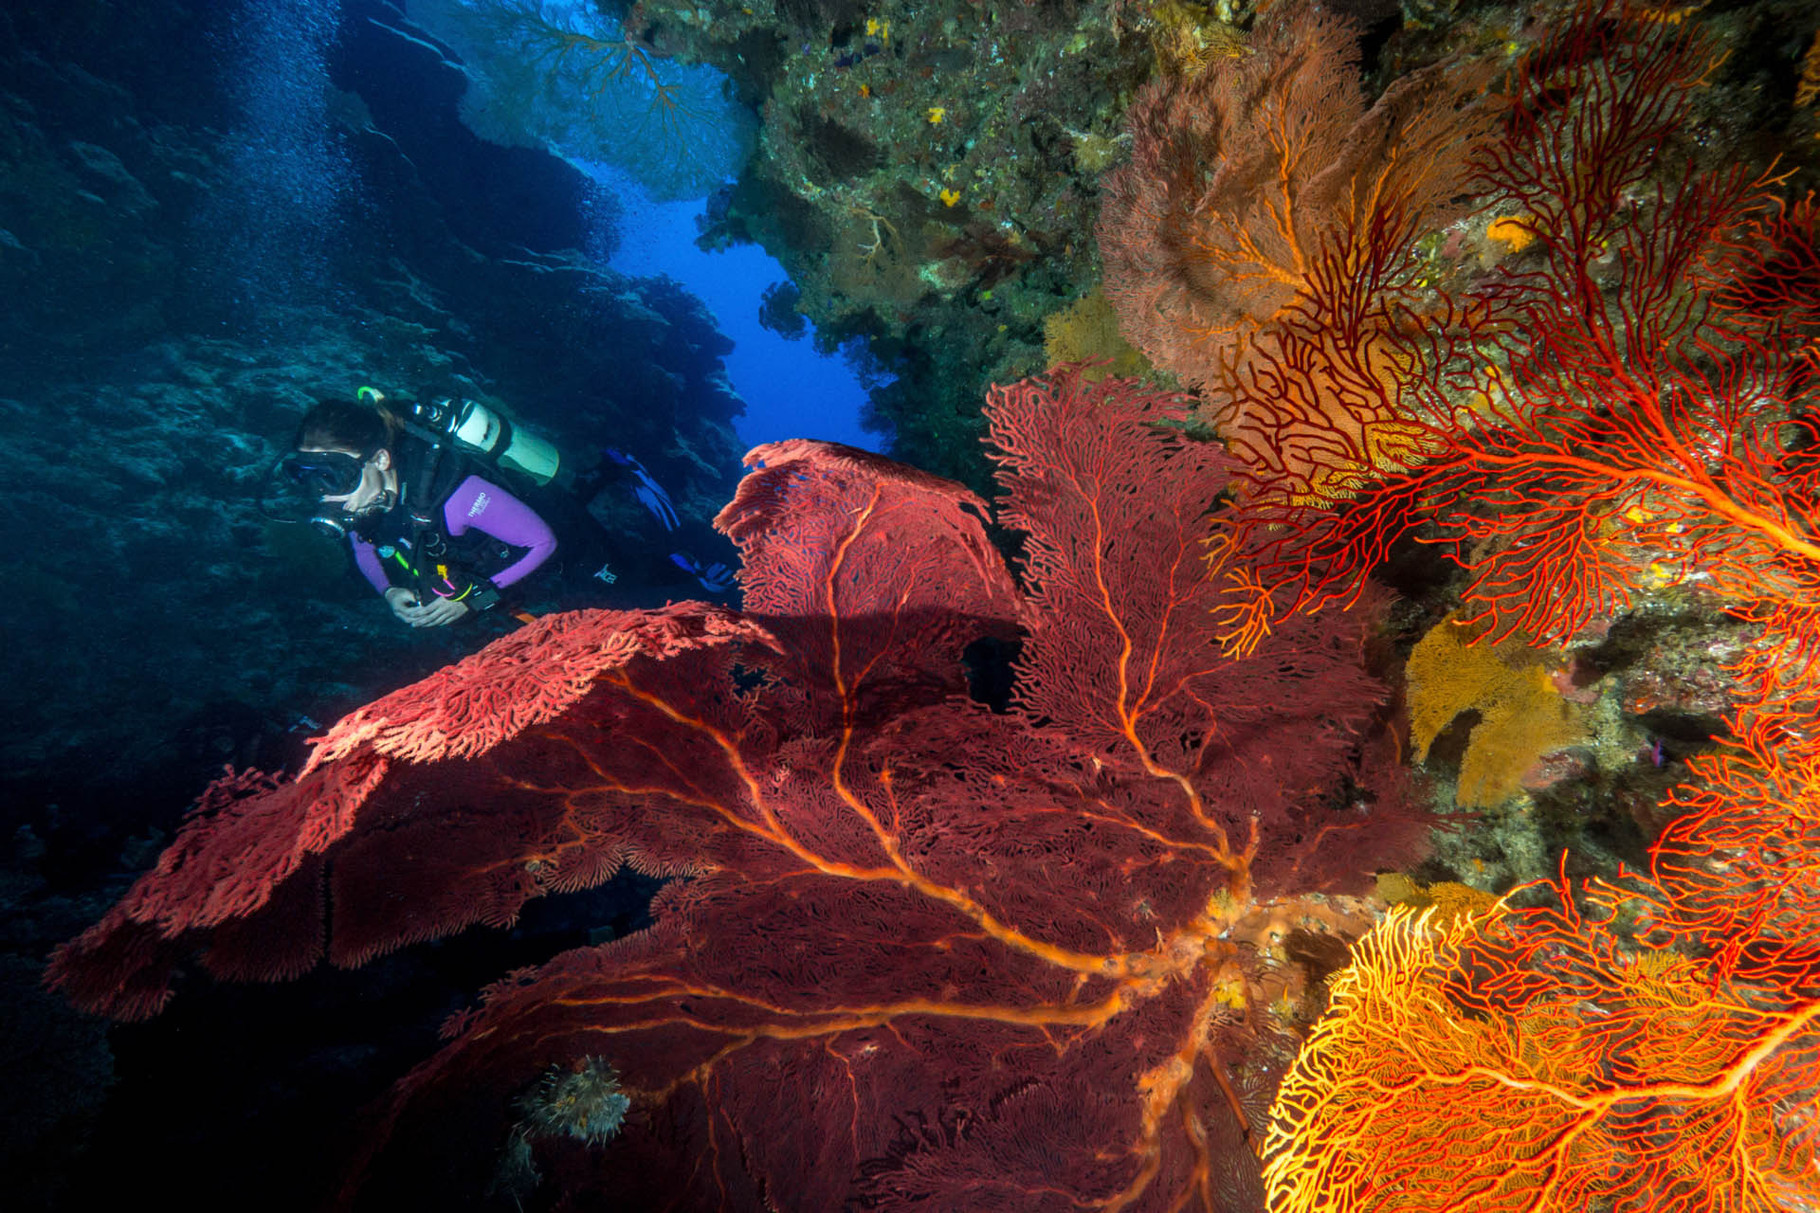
point(368, 560)
point(485, 507)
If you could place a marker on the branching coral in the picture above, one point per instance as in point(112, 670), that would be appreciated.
point(1620, 405)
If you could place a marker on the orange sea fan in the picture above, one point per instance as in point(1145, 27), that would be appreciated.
point(1623, 1080)
point(1645, 1046)
point(1258, 244)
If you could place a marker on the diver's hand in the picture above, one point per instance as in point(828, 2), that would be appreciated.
point(440, 612)
point(403, 603)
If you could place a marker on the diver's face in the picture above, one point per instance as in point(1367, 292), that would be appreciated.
point(370, 493)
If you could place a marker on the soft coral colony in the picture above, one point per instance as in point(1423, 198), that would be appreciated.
point(918, 952)
point(1618, 405)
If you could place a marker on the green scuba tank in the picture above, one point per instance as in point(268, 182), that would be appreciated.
point(478, 430)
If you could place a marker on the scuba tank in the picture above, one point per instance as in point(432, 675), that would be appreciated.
point(477, 430)
point(480, 431)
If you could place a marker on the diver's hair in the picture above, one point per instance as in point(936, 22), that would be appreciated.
point(347, 425)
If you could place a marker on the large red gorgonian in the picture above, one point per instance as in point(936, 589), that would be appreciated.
point(919, 953)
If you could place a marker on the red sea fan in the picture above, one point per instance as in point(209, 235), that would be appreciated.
point(923, 953)
point(1615, 407)
point(245, 879)
point(1244, 175)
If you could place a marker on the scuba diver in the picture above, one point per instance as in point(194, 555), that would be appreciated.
point(438, 541)
point(435, 536)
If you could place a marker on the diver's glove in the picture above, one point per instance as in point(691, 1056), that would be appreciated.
point(716, 578)
point(650, 494)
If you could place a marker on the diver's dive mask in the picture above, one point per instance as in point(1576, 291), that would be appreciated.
point(297, 484)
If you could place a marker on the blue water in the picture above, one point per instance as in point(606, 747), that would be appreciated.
point(559, 74)
point(523, 90)
point(286, 166)
point(790, 390)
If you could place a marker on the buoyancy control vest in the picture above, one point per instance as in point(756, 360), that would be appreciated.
point(413, 536)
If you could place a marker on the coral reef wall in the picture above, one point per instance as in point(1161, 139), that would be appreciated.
point(927, 175)
point(178, 283)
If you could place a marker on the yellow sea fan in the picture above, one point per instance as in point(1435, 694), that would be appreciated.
point(1089, 330)
point(1521, 715)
